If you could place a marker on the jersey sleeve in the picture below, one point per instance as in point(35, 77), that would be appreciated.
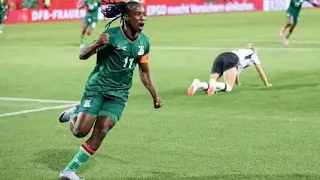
point(255, 59)
point(145, 57)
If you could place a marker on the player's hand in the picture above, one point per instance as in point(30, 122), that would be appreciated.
point(157, 103)
point(103, 39)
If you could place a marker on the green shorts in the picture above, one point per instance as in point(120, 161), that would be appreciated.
point(2, 16)
point(294, 16)
point(97, 104)
point(90, 21)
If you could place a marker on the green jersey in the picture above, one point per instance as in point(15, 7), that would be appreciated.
point(3, 6)
point(295, 6)
point(116, 62)
point(93, 7)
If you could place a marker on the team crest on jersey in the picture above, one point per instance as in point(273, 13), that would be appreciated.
point(141, 50)
point(87, 103)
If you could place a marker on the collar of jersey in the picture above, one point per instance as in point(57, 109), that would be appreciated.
point(127, 36)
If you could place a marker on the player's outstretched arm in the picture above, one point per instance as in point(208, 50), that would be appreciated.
point(147, 82)
point(80, 4)
point(313, 4)
point(262, 75)
point(93, 48)
point(238, 79)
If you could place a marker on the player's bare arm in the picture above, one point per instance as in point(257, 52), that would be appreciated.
point(80, 4)
point(238, 80)
point(313, 4)
point(91, 49)
point(262, 75)
point(147, 82)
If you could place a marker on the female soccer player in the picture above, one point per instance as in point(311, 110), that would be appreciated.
point(119, 50)
point(293, 13)
point(3, 10)
point(91, 18)
point(229, 64)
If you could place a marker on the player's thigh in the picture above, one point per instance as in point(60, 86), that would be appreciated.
point(295, 20)
point(290, 18)
point(86, 21)
point(93, 23)
point(113, 108)
point(230, 76)
point(83, 124)
point(2, 15)
point(230, 61)
point(90, 106)
point(217, 67)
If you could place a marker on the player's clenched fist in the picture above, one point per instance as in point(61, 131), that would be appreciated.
point(157, 103)
point(103, 39)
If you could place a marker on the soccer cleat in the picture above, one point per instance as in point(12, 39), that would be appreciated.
point(66, 114)
point(285, 41)
point(1, 31)
point(211, 90)
point(69, 175)
point(193, 87)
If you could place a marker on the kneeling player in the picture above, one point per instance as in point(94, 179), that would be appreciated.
point(229, 64)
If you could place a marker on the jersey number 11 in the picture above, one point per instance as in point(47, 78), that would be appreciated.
point(126, 60)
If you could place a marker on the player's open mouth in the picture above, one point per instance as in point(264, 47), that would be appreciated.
point(141, 24)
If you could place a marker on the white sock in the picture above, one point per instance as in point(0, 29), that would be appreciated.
point(203, 86)
point(220, 86)
point(212, 82)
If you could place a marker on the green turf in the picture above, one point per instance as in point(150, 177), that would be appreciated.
point(14, 106)
point(253, 133)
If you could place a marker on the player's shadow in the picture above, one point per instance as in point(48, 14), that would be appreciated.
point(233, 177)
point(57, 159)
point(114, 160)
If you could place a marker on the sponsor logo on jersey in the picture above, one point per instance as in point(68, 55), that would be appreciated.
point(123, 48)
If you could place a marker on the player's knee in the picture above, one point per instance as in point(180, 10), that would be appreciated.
point(88, 33)
point(228, 88)
point(79, 134)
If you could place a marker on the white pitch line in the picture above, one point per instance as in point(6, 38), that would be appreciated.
point(34, 110)
point(183, 48)
point(37, 100)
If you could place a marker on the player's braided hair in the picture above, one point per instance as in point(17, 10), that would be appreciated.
point(117, 10)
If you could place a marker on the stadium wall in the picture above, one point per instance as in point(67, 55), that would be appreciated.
point(280, 5)
point(65, 10)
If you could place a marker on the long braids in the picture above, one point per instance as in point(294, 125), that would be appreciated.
point(117, 10)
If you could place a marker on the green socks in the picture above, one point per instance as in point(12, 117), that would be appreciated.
point(288, 35)
point(80, 158)
point(81, 40)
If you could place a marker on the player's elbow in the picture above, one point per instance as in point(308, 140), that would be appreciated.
point(83, 57)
